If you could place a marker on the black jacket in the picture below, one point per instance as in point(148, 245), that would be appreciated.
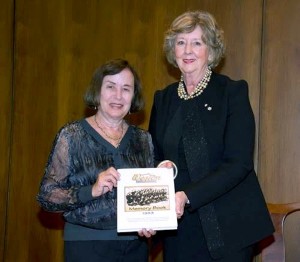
point(230, 187)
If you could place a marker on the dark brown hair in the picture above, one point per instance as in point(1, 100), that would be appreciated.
point(113, 67)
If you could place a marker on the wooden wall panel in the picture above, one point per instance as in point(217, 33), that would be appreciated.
point(280, 106)
point(145, 29)
point(6, 76)
point(279, 138)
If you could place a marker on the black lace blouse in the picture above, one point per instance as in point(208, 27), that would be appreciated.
point(78, 155)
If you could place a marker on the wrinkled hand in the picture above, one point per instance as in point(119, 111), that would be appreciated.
point(105, 182)
point(180, 201)
point(146, 233)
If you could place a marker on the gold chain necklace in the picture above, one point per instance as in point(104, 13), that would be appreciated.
point(118, 139)
point(199, 88)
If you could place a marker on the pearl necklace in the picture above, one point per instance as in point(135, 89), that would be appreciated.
point(116, 140)
point(199, 88)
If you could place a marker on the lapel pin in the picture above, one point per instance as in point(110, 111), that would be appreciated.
point(209, 108)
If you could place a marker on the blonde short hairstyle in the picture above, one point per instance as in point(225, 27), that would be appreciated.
point(186, 23)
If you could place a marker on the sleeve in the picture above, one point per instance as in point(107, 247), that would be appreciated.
point(153, 130)
point(151, 150)
point(238, 145)
point(56, 194)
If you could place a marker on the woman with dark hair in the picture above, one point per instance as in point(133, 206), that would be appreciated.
point(205, 126)
point(81, 175)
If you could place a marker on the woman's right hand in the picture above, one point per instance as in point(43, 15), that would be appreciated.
point(105, 182)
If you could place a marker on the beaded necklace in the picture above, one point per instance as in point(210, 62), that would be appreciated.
point(116, 140)
point(199, 88)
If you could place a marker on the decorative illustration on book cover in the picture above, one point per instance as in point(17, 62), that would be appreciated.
point(143, 198)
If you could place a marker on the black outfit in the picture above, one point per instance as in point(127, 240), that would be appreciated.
point(78, 155)
point(106, 251)
point(211, 140)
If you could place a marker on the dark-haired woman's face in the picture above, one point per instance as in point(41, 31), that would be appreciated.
point(191, 53)
point(116, 94)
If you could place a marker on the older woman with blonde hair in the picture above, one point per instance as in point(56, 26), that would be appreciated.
point(205, 126)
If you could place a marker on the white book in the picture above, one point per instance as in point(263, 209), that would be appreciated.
point(146, 199)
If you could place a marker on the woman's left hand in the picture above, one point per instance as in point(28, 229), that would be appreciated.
point(146, 233)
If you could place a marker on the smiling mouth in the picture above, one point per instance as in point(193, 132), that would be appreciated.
point(116, 105)
point(188, 61)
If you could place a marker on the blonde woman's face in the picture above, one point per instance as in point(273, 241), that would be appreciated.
point(191, 53)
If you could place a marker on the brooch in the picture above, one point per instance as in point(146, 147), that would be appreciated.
point(209, 108)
